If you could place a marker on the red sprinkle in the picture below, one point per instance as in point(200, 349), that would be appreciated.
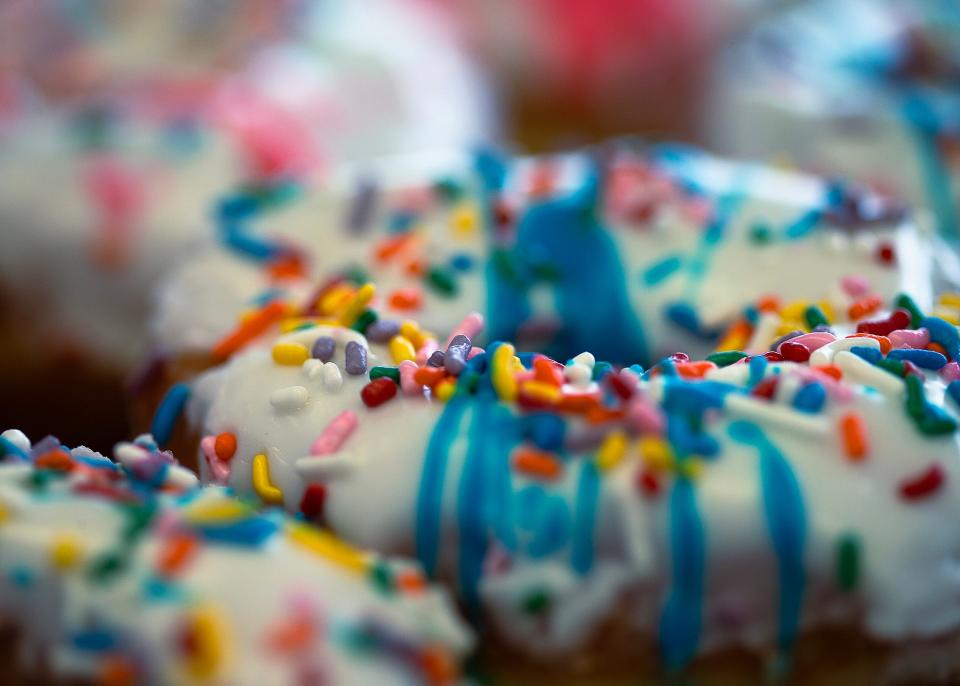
point(225, 445)
point(766, 388)
point(900, 319)
point(924, 485)
point(886, 253)
point(648, 483)
point(313, 501)
point(57, 460)
point(794, 352)
point(378, 391)
point(772, 356)
point(619, 386)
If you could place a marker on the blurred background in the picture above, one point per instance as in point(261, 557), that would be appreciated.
point(92, 89)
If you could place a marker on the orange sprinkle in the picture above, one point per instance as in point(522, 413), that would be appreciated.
point(936, 347)
point(429, 376)
point(250, 328)
point(287, 267)
point(694, 370)
point(536, 463)
point(389, 248)
point(416, 267)
point(225, 445)
point(769, 303)
point(291, 636)
point(546, 370)
point(438, 667)
point(117, 671)
point(831, 370)
point(410, 581)
point(885, 344)
point(598, 414)
point(57, 460)
point(577, 402)
point(854, 434)
point(175, 554)
point(865, 306)
point(406, 299)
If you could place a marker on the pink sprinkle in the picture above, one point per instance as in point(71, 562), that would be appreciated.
point(855, 286)
point(429, 347)
point(838, 390)
point(337, 431)
point(814, 340)
point(909, 338)
point(471, 325)
point(950, 371)
point(219, 470)
point(407, 369)
point(643, 416)
point(474, 351)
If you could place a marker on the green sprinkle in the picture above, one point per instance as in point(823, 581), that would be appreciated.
point(905, 302)
point(916, 403)
point(536, 603)
point(367, 318)
point(139, 518)
point(503, 262)
point(441, 280)
point(389, 372)
point(381, 577)
point(760, 234)
point(895, 367)
point(726, 357)
point(848, 562)
point(449, 189)
point(104, 567)
point(468, 382)
point(936, 424)
point(815, 317)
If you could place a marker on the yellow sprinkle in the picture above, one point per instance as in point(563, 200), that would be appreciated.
point(655, 453)
point(208, 645)
point(541, 390)
point(443, 391)
point(828, 311)
point(262, 485)
point(214, 510)
point(402, 349)
point(65, 551)
point(291, 323)
point(794, 310)
point(691, 468)
point(293, 354)
point(949, 299)
point(331, 301)
point(355, 306)
point(504, 381)
point(612, 451)
point(786, 327)
point(735, 341)
point(947, 314)
point(4, 514)
point(465, 219)
point(329, 547)
point(410, 330)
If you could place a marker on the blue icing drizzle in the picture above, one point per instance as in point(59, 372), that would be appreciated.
point(803, 225)
point(786, 523)
point(578, 259)
point(681, 621)
point(661, 270)
point(588, 493)
point(924, 124)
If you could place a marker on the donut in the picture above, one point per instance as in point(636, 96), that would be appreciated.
point(846, 88)
point(639, 254)
point(657, 518)
point(126, 571)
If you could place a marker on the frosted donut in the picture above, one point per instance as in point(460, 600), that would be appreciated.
point(131, 573)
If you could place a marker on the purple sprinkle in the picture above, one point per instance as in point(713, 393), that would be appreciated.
point(822, 328)
point(364, 205)
point(323, 348)
point(435, 359)
point(382, 330)
point(356, 362)
point(456, 357)
point(785, 337)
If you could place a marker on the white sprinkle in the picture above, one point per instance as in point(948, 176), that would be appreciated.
point(857, 369)
point(128, 454)
point(181, 477)
point(324, 467)
point(289, 399)
point(311, 368)
point(18, 438)
point(825, 354)
point(764, 334)
point(332, 378)
point(579, 375)
point(787, 418)
point(586, 359)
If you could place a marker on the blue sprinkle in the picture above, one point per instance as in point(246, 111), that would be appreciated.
point(401, 221)
point(925, 359)
point(7, 447)
point(751, 314)
point(953, 392)
point(802, 225)
point(168, 412)
point(462, 262)
point(21, 576)
point(811, 398)
point(94, 641)
point(871, 355)
point(944, 333)
point(247, 532)
point(661, 270)
point(546, 430)
point(758, 366)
